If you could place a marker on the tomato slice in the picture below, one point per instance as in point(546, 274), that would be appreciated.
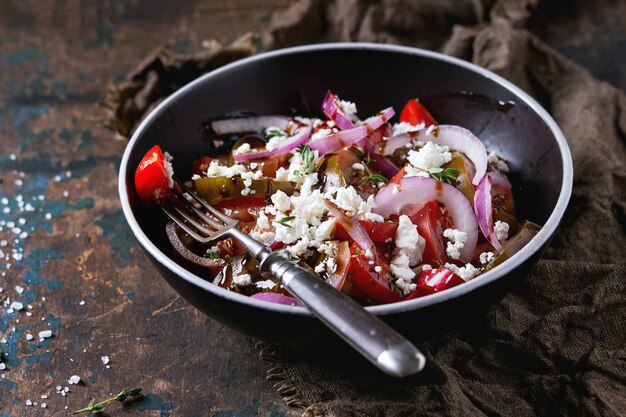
point(151, 178)
point(431, 221)
point(415, 113)
point(378, 232)
point(244, 209)
point(374, 286)
point(200, 165)
point(399, 175)
point(435, 280)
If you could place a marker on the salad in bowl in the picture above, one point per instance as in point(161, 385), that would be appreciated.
point(383, 210)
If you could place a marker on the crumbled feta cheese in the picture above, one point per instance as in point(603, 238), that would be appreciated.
point(429, 156)
point(266, 285)
point(358, 167)
point(496, 162)
point(348, 108)
point(378, 269)
point(404, 127)
point(326, 229)
point(409, 248)
point(486, 257)
point(74, 379)
point(242, 279)
point(502, 230)
point(263, 221)
point(281, 201)
point(466, 272)
point(243, 148)
point(322, 133)
point(456, 242)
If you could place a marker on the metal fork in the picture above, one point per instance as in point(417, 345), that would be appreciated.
point(366, 333)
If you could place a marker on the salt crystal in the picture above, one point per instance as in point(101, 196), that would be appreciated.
point(74, 379)
point(29, 336)
point(16, 305)
point(82, 302)
point(44, 396)
point(2, 366)
point(43, 405)
point(19, 289)
point(105, 359)
point(44, 334)
point(29, 403)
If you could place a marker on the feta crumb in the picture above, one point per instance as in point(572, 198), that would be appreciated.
point(486, 257)
point(496, 162)
point(502, 230)
point(466, 272)
point(326, 229)
point(429, 156)
point(358, 167)
point(242, 280)
point(243, 148)
point(74, 380)
point(267, 284)
point(456, 242)
point(378, 269)
point(404, 127)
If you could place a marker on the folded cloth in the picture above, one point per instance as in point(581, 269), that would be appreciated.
point(556, 345)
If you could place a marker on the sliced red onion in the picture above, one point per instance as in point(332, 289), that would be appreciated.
point(455, 137)
point(182, 250)
point(333, 110)
point(249, 124)
point(346, 138)
point(354, 229)
point(483, 210)
point(420, 190)
point(500, 181)
point(289, 144)
point(379, 162)
point(272, 297)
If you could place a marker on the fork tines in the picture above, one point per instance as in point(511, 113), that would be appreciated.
point(195, 216)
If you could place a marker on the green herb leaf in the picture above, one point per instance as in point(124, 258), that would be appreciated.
point(96, 408)
point(447, 175)
point(374, 179)
point(365, 158)
point(274, 132)
point(284, 220)
point(212, 255)
point(308, 161)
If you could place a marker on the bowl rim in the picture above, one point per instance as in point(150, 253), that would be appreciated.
point(488, 277)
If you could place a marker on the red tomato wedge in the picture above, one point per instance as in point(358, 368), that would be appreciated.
point(244, 209)
point(415, 113)
point(378, 232)
point(435, 280)
point(431, 222)
point(151, 177)
point(374, 286)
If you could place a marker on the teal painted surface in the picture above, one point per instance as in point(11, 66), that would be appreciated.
point(28, 53)
point(39, 357)
point(118, 233)
point(151, 402)
point(250, 410)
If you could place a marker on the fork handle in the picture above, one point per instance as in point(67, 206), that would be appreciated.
point(366, 333)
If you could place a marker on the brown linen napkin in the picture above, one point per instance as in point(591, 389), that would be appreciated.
point(557, 344)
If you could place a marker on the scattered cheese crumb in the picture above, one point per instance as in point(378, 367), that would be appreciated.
point(486, 257)
point(502, 230)
point(456, 242)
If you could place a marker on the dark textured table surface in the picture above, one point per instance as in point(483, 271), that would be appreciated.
point(70, 262)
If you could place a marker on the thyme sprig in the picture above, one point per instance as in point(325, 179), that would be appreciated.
point(308, 161)
point(97, 408)
point(274, 132)
point(447, 175)
point(374, 179)
point(284, 221)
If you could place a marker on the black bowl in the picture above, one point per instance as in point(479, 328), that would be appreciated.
point(373, 76)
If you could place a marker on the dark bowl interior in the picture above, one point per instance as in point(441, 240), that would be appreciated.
point(374, 77)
